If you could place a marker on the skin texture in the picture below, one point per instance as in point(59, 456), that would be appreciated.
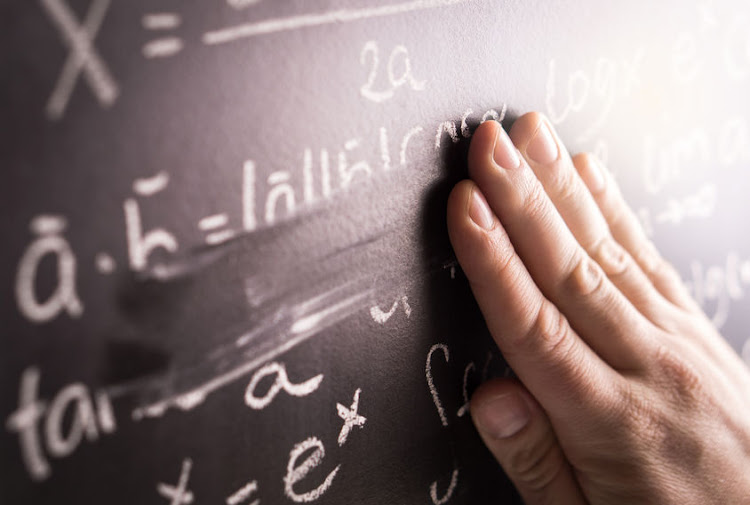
point(626, 392)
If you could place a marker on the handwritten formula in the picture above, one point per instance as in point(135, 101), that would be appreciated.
point(226, 276)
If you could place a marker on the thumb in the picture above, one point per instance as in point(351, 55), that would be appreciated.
point(518, 433)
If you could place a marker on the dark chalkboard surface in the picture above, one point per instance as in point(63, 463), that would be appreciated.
point(225, 273)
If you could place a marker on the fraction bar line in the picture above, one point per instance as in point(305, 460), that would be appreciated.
point(338, 16)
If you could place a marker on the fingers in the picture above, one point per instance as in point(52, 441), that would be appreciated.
point(652, 302)
point(535, 338)
point(554, 169)
point(564, 272)
point(538, 143)
point(627, 230)
point(518, 433)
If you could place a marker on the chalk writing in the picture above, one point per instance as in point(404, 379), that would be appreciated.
point(351, 417)
point(105, 263)
point(161, 21)
point(707, 14)
point(431, 382)
point(149, 186)
point(214, 222)
point(280, 189)
point(296, 472)
point(381, 317)
point(140, 244)
point(324, 172)
point(250, 222)
point(281, 382)
point(395, 81)
point(324, 156)
point(448, 127)
point(301, 329)
point(405, 143)
point(441, 500)
point(737, 48)
point(241, 4)
point(597, 90)
point(723, 145)
point(49, 229)
point(347, 170)
point(699, 205)
point(719, 285)
point(254, 29)
point(163, 46)
point(74, 400)
point(647, 222)
point(179, 494)
point(452, 128)
point(24, 421)
point(727, 40)
point(58, 444)
point(465, 407)
point(686, 61)
point(243, 494)
point(83, 56)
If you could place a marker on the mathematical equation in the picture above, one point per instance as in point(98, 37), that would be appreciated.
point(52, 426)
point(590, 95)
point(93, 416)
point(84, 58)
point(43, 433)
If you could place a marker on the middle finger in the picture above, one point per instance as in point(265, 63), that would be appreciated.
point(551, 163)
point(564, 272)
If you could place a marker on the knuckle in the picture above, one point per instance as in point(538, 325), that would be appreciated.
point(680, 379)
point(586, 278)
point(550, 332)
point(607, 401)
point(566, 186)
point(653, 264)
point(612, 257)
point(535, 465)
point(535, 205)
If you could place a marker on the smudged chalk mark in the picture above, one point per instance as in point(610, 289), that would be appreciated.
point(288, 333)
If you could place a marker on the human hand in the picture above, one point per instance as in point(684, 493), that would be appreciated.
point(626, 392)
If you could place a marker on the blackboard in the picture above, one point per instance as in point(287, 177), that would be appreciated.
point(225, 272)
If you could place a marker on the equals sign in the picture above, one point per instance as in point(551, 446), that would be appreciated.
point(163, 46)
point(215, 222)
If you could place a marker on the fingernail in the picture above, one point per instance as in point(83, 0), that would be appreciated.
point(505, 152)
point(479, 210)
point(542, 147)
point(592, 175)
point(503, 416)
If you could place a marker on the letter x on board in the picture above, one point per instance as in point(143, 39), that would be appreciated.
point(83, 56)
